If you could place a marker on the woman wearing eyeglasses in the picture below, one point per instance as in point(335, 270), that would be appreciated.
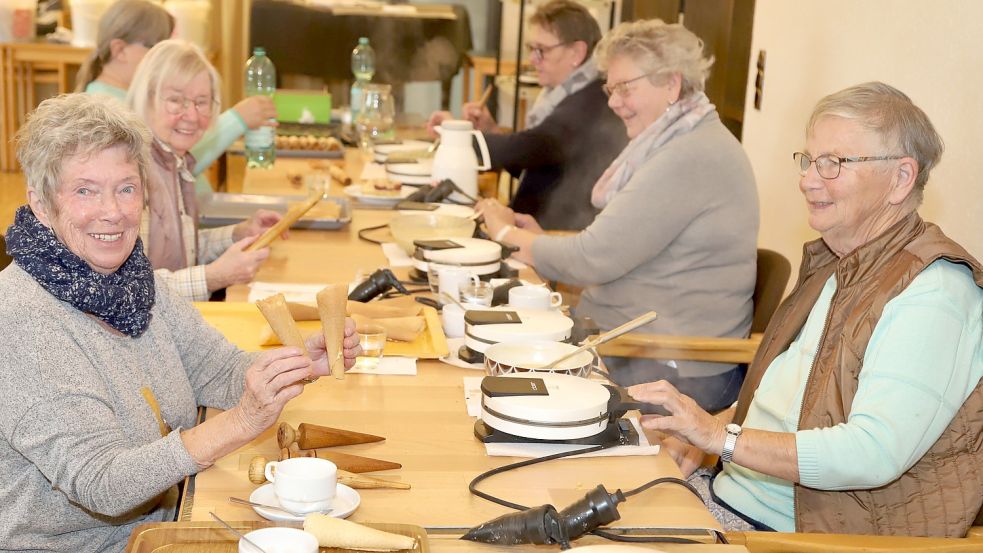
point(127, 31)
point(678, 227)
point(175, 90)
point(570, 136)
point(863, 410)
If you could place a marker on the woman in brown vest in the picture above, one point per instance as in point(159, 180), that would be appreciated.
point(862, 412)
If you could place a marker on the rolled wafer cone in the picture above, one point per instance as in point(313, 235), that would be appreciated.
point(289, 218)
point(303, 311)
point(339, 174)
point(405, 329)
point(276, 312)
point(331, 306)
point(338, 533)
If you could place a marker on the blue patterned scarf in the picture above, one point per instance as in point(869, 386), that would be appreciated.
point(122, 299)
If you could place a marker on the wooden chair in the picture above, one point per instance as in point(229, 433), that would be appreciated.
point(4, 258)
point(772, 276)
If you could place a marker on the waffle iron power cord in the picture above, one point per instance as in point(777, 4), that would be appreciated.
point(546, 525)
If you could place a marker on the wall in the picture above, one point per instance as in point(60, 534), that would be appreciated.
point(931, 50)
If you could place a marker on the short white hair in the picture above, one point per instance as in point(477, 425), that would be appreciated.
point(73, 125)
point(174, 63)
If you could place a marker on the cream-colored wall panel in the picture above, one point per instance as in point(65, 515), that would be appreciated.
point(931, 50)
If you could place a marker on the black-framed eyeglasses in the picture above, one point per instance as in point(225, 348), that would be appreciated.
point(539, 51)
point(622, 88)
point(179, 104)
point(828, 165)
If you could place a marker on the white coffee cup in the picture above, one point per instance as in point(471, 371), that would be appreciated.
point(304, 484)
point(534, 297)
point(452, 279)
point(452, 319)
point(280, 539)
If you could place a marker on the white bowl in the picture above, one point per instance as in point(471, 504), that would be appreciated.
point(510, 358)
point(280, 540)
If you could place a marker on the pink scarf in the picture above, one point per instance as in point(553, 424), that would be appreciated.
point(680, 118)
point(167, 175)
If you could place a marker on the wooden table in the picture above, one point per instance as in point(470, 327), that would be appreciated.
point(426, 425)
point(23, 65)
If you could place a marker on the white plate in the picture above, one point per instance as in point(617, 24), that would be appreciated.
point(444, 209)
point(382, 151)
point(346, 500)
point(355, 191)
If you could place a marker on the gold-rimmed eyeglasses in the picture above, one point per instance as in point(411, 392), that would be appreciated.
point(622, 89)
point(179, 104)
point(538, 51)
point(828, 165)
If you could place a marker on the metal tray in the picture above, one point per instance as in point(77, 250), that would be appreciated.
point(209, 537)
point(218, 209)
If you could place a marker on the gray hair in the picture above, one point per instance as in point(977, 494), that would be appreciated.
point(659, 49)
point(132, 21)
point(171, 62)
point(885, 110)
point(74, 125)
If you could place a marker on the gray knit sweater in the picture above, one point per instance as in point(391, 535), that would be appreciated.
point(83, 455)
point(680, 238)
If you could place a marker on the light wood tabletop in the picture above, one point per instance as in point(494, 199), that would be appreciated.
point(424, 421)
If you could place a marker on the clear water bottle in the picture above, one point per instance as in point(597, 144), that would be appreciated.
point(260, 80)
point(363, 67)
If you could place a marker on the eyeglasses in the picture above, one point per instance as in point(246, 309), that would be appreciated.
point(622, 89)
point(828, 166)
point(179, 104)
point(539, 51)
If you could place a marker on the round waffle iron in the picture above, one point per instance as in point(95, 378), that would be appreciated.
point(482, 257)
point(484, 327)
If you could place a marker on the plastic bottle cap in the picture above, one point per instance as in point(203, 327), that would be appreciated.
point(259, 51)
point(363, 40)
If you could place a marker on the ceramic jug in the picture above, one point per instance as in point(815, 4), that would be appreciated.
point(455, 158)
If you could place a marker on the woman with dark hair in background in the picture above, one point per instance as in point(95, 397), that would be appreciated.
point(570, 136)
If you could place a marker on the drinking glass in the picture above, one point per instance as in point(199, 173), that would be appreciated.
point(480, 293)
point(372, 338)
point(375, 120)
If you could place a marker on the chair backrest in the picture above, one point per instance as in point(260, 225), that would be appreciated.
point(4, 258)
point(773, 273)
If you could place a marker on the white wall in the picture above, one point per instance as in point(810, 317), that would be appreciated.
point(930, 49)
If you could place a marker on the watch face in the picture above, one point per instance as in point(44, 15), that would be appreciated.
point(733, 428)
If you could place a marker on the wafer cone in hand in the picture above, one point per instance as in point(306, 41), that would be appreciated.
point(276, 312)
point(331, 303)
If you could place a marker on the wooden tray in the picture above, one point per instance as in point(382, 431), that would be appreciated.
point(243, 325)
point(209, 537)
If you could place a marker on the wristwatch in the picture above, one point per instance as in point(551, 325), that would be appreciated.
point(730, 442)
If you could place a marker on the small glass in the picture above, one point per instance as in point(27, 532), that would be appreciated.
point(374, 121)
point(317, 182)
point(479, 293)
point(372, 338)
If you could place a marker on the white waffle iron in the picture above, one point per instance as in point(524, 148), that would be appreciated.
point(571, 408)
point(524, 326)
point(483, 257)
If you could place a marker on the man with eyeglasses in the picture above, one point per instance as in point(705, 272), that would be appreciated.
point(570, 135)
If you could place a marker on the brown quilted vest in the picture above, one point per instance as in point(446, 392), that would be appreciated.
point(942, 493)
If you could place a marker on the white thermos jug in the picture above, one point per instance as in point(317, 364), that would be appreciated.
point(455, 158)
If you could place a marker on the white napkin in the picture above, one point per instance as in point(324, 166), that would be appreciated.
point(540, 450)
point(396, 255)
point(403, 366)
point(472, 394)
point(453, 345)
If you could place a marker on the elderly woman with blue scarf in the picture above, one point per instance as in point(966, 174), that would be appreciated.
point(570, 136)
point(678, 227)
point(104, 366)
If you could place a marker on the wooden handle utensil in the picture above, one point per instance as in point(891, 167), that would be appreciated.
point(339, 174)
point(331, 305)
point(313, 436)
point(291, 217)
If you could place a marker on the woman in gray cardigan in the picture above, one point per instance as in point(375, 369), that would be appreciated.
point(104, 367)
point(679, 222)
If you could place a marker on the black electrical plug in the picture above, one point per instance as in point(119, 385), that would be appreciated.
point(544, 525)
point(378, 282)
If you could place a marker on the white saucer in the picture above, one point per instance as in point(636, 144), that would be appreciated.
point(346, 500)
